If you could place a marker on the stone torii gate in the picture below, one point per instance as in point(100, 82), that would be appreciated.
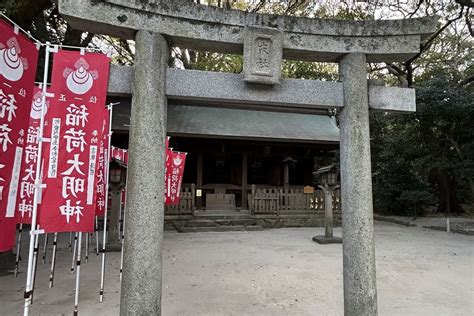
point(264, 40)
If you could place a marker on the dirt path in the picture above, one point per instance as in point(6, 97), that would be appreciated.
point(273, 272)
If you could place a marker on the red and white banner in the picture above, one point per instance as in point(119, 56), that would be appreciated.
point(18, 60)
point(103, 166)
point(119, 154)
point(174, 176)
point(168, 153)
point(79, 83)
point(7, 234)
point(30, 157)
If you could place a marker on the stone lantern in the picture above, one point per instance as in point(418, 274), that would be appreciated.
point(328, 179)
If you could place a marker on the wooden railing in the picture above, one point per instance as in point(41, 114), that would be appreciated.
point(270, 200)
point(186, 204)
point(280, 200)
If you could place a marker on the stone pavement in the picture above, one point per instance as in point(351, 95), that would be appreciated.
point(270, 272)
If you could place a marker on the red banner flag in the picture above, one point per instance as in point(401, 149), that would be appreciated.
point(167, 165)
point(7, 234)
point(103, 166)
point(169, 154)
point(174, 177)
point(30, 156)
point(18, 60)
point(119, 154)
point(79, 82)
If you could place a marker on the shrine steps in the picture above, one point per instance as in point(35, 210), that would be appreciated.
point(229, 228)
point(220, 221)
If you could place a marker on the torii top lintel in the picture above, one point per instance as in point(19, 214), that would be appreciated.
point(191, 25)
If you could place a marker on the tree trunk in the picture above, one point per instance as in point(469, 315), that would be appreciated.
point(23, 12)
point(471, 185)
point(446, 187)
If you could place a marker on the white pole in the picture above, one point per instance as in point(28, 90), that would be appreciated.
point(45, 247)
point(123, 230)
point(104, 239)
point(448, 225)
point(18, 249)
point(74, 253)
point(38, 185)
point(78, 272)
point(97, 235)
point(119, 223)
point(87, 247)
point(35, 264)
point(53, 261)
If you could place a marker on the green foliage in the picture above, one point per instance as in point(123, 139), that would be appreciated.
point(406, 147)
point(399, 185)
point(309, 70)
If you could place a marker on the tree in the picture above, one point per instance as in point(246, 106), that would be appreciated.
point(42, 19)
point(431, 150)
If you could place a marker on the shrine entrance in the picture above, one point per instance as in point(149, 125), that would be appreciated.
point(264, 40)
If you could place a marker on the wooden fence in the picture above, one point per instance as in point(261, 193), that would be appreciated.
point(186, 204)
point(279, 200)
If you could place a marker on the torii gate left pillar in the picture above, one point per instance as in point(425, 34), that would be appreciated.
point(142, 270)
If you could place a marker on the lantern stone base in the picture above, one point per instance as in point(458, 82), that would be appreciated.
point(115, 247)
point(7, 263)
point(323, 240)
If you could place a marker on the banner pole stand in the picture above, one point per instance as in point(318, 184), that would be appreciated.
point(18, 249)
point(53, 260)
point(70, 241)
point(87, 247)
point(38, 185)
point(35, 265)
point(78, 272)
point(74, 253)
point(45, 247)
point(104, 237)
point(96, 235)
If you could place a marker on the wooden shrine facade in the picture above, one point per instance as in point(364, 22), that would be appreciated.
point(263, 174)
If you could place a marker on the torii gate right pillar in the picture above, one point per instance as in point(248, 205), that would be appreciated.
point(360, 288)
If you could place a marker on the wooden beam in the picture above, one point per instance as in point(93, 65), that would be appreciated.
point(244, 180)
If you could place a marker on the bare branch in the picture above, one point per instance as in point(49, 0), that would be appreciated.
point(397, 72)
point(468, 80)
point(467, 3)
point(469, 22)
point(416, 9)
point(427, 44)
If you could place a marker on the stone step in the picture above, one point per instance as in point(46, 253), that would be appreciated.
point(237, 221)
point(221, 228)
point(221, 222)
point(216, 215)
point(201, 223)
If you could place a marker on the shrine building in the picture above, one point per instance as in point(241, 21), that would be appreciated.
point(245, 164)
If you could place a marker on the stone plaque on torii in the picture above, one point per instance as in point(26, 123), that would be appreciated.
point(263, 40)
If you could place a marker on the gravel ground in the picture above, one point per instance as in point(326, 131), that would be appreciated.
point(272, 272)
point(458, 224)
